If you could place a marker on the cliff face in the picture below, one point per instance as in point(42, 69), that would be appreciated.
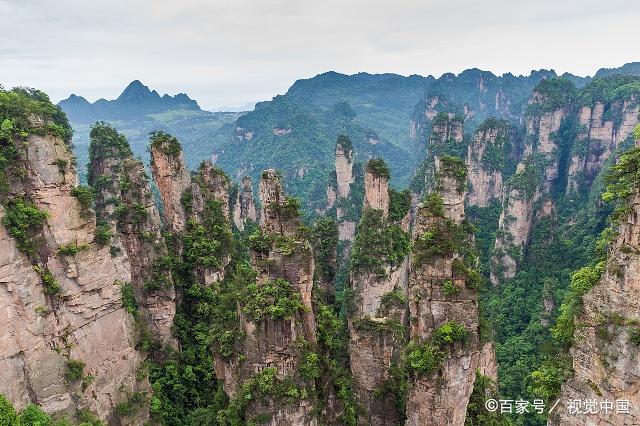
point(444, 328)
point(278, 342)
point(68, 342)
point(172, 177)
point(605, 350)
point(598, 136)
point(376, 191)
point(245, 208)
point(535, 175)
point(379, 282)
point(130, 226)
point(340, 194)
point(488, 156)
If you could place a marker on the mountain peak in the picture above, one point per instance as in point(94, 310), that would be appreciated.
point(136, 92)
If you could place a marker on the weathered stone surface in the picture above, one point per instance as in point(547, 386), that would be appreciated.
point(245, 208)
point(605, 362)
point(441, 397)
point(376, 192)
point(277, 343)
point(344, 169)
point(172, 177)
point(486, 183)
point(598, 137)
point(139, 240)
point(86, 322)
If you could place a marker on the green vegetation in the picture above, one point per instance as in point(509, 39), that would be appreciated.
point(51, 286)
point(131, 405)
point(324, 239)
point(581, 282)
point(378, 244)
point(8, 416)
point(289, 209)
point(345, 143)
point(527, 180)
point(393, 298)
point(425, 358)
point(71, 249)
point(165, 143)
point(449, 288)
point(399, 204)
point(106, 142)
point(449, 333)
point(103, 234)
point(19, 107)
point(433, 204)
point(616, 87)
point(456, 168)
point(33, 415)
point(85, 195)
point(443, 239)
point(378, 167)
point(554, 93)
point(206, 243)
point(276, 299)
point(75, 370)
point(623, 181)
point(129, 302)
point(24, 221)
point(264, 383)
point(477, 415)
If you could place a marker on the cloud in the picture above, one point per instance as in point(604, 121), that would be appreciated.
point(228, 52)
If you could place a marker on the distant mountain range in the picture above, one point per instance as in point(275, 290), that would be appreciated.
point(385, 115)
point(136, 101)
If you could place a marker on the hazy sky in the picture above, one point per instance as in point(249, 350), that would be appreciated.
point(232, 52)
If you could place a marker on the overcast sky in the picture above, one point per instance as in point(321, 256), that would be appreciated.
point(233, 52)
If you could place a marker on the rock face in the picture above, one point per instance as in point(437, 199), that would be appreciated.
point(376, 325)
point(245, 208)
point(487, 159)
point(340, 193)
point(272, 341)
point(535, 176)
point(125, 209)
point(210, 184)
point(605, 357)
point(172, 177)
point(598, 136)
point(376, 190)
point(441, 294)
point(344, 167)
point(60, 305)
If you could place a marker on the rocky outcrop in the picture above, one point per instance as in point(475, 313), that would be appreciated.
point(68, 343)
point(446, 127)
point(245, 208)
point(487, 160)
point(130, 225)
point(376, 189)
point(210, 183)
point(535, 175)
point(344, 166)
point(339, 193)
point(172, 177)
point(277, 342)
point(599, 134)
point(443, 309)
point(377, 323)
point(605, 350)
